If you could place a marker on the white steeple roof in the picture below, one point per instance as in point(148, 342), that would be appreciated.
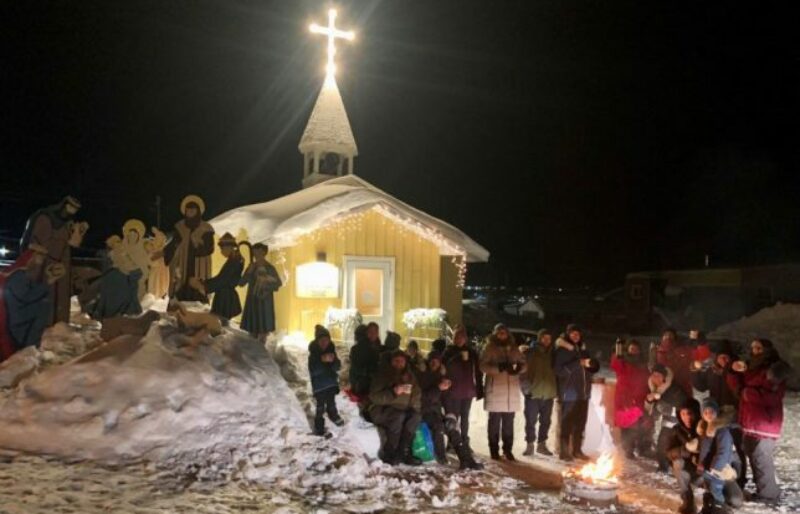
point(328, 129)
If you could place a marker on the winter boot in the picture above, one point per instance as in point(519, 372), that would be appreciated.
point(541, 448)
point(509, 456)
point(710, 506)
point(466, 460)
point(494, 451)
point(579, 455)
point(528, 450)
point(339, 422)
point(687, 504)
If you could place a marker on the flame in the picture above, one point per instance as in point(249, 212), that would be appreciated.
point(602, 470)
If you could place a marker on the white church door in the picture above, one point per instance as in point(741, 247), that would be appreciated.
point(369, 287)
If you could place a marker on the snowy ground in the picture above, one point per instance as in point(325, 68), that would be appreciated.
point(223, 428)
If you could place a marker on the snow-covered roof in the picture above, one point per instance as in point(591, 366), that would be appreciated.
point(328, 128)
point(282, 221)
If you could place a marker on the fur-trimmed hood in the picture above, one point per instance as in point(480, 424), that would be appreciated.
point(726, 416)
point(666, 385)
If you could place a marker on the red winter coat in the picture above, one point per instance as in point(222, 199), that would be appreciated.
point(679, 360)
point(630, 393)
point(760, 402)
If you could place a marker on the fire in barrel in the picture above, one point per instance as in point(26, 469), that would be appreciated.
point(594, 484)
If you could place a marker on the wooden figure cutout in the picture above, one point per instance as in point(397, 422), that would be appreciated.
point(262, 281)
point(25, 307)
point(226, 301)
point(158, 278)
point(133, 232)
point(188, 254)
point(54, 229)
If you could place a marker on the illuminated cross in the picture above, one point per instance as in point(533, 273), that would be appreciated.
point(332, 32)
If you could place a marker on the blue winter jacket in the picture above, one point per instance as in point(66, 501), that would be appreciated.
point(574, 381)
point(716, 449)
point(324, 375)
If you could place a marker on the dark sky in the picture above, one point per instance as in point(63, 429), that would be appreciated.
point(575, 140)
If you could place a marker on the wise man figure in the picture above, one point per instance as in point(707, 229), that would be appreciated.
point(54, 229)
point(188, 254)
point(25, 300)
point(133, 232)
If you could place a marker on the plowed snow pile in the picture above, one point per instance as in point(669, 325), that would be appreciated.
point(780, 324)
point(216, 411)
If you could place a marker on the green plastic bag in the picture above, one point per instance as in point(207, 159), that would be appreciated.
point(422, 447)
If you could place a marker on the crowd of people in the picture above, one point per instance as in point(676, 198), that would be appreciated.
point(704, 413)
point(698, 409)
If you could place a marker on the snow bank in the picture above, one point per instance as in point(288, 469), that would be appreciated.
point(214, 412)
point(780, 324)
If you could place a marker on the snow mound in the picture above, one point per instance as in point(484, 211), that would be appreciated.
point(214, 412)
point(780, 324)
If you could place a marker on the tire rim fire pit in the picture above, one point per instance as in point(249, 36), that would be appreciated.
point(594, 484)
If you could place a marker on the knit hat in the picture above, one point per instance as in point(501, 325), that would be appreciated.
point(573, 327)
point(660, 368)
point(541, 333)
point(711, 403)
point(320, 332)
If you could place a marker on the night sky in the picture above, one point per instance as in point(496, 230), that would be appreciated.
point(577, 141)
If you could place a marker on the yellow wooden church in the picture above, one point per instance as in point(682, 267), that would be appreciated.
point(344, 246)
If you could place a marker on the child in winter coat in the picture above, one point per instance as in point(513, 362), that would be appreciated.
point(434, 383)
point(761, 385)
point(629, 396)
point(323, 366)
point(717, 461)
point(415, 358)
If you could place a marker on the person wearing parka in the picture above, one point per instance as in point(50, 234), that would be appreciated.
point(710, 378)
point(574, 369)
point(761, 384)
point(502, 363)
point(676, 355)
point(395, 406)
point(629, 397)
point(717, 461)
point(391, 344)
point(416, 360)
point(463, 369)
point(683, 451)
point(663, 401)
point(538, 385)
point(323, 367)
point(434, 384)
point(364, 358)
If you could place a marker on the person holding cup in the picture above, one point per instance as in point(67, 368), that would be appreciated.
point(463, 369)
point(502, 362)
point(395, 406)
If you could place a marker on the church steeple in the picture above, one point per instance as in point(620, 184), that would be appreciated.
point(328, 145)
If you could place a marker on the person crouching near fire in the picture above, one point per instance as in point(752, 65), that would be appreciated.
point(395, 406)
point(683, 451)
point(663, 401)
point(717, 461)
point(434, 383)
